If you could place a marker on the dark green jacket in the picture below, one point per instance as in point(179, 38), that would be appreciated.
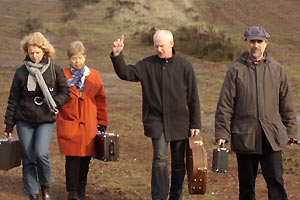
point(170, 95)
point(255, 98)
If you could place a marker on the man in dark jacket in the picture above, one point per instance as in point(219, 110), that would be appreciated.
point(171, 108)
point(257, 114)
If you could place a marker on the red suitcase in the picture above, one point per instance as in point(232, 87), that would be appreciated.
point(107, 147)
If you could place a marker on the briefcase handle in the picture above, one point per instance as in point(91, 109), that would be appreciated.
point(222, 147)
point(294, 141)
point(7, 139)
point(111, 148)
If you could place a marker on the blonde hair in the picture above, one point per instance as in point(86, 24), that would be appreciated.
point(39, 40)
point(76, 47)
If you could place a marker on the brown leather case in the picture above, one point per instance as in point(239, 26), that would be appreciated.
point(107, 147)
point(196, 163)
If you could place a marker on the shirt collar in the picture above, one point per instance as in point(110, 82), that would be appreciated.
point(254, 60)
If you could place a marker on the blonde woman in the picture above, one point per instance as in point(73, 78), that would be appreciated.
point(38, 90)
point(79, 118)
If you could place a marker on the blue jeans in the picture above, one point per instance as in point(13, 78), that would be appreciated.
point(35, 140)
point(160, 172)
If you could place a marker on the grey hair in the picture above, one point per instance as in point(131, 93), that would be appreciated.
point(167, 33)
point(76, 47)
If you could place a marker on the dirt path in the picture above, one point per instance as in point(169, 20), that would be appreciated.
point(129, 179)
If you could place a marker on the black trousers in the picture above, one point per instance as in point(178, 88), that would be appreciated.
point(272, 170)
point(77, 169)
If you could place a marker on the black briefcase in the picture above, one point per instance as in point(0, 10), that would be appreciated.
point(10, 153)
point(220, 160)
point(107, 147)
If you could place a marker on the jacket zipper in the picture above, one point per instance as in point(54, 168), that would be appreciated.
point(257, 107)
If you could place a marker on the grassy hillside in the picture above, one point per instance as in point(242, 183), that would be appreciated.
point(98, 25)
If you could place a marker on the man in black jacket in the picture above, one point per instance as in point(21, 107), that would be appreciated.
point(171, 108)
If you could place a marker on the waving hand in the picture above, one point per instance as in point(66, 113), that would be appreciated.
point(118, 46)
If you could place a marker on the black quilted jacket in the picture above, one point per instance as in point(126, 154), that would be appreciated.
point(21, 104)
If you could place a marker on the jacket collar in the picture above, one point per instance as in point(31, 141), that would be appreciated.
point(167, 60)
point(244, 58)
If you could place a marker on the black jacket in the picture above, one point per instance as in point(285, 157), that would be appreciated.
point(21, 104)
point(170, 95)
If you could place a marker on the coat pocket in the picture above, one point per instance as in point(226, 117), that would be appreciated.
point(276, 134)
point(281, 135)
point(243, 142)
point(67, 130)
point(243, 137)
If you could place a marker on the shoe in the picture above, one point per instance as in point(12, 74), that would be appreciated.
point(81, 189)
point(45, 193)
point(81, 194)
point(34, 197)
point(73, 196)
point(82, 197)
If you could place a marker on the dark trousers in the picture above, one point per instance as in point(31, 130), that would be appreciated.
point(160, 172)
point(272, 170)
point(77, 169)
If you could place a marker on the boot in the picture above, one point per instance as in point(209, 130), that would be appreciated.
point(34, 197)
point(81, 192)
point(81, 195)
point(45, 193)
point(73, 196)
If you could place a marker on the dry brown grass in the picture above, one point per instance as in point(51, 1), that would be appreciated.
point(130, 178)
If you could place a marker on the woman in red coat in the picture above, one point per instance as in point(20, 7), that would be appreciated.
point(79, 118)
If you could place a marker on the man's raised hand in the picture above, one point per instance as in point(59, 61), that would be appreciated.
point(118, 46)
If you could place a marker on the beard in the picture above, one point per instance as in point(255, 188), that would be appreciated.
point(256, 53)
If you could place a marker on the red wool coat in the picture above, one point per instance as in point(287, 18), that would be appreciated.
point(77, 120)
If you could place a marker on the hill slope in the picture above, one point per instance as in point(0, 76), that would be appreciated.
point(97, 25)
